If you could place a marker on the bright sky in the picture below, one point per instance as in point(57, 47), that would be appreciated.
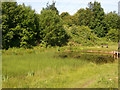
point(70, 6)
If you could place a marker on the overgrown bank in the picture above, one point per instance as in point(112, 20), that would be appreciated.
point(42, 68)
point(31, 42)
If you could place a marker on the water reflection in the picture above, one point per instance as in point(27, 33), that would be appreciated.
point(90, 57)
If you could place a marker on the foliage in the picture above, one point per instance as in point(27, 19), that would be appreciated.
point(113, 35)
point(64, 14)
point(7, 22)
point(93, 16)
point(67, 18)
point(112, 20)
point(52, 31)
point(84, 17)
point(51, 7)
point(19, 25)
point(82, 35)
point(98, 16)
point(22, 27)
point(56, 72)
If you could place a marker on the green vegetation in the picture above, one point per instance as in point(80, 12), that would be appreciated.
point(22, 27)
point(47, 50)
point(19, 25)
point(52, 31)
point(82, 35)
point(46, 70)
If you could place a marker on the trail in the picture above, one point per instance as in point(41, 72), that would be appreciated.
point(87, 83)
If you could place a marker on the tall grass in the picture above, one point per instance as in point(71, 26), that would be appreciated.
point(16, 64)
point(41, 69)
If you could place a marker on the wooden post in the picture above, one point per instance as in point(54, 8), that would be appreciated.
point(117, 54)
point(114, 52)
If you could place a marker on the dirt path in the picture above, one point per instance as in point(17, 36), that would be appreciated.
point(87, 83)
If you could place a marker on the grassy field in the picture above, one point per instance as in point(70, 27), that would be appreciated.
point(40, 68)
point(111, 47)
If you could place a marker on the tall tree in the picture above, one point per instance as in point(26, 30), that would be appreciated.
point(64, 14)
point(8, 11)
point(97, 22)
point(19, 25)
point(84, 16)
point(52, 7)
point(52, 31)
point(112, 20)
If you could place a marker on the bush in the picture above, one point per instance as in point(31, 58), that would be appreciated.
point(82, 35)
point(113, 35)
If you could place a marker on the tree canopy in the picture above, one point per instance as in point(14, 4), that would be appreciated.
point(22, 27)
point(52, 31)
point(19, 25)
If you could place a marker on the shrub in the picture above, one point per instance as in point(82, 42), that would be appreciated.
point(82, 35)
point(113, 35)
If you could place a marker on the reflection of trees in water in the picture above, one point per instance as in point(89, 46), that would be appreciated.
point(90, 57)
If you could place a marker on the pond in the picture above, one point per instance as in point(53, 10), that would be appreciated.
point(97, 58)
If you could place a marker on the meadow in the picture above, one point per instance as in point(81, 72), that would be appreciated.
point(43, 68)
point(53, 50)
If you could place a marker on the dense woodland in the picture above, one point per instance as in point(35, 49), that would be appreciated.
point(22, 27)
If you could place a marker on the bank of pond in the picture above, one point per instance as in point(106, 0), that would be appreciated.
point(50, 68)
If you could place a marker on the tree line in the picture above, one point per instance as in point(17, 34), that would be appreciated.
point(22, 27)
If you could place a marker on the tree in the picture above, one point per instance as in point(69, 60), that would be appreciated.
point(84, 17)
point(119, 29)
point(112, 20)
point(68, 19)
point(64, 14)
point(19, 25)
point(28, 25)
point(113, 35)
point(52, 7)
point(97, 22)
point(93, 16)
point(82, 35)
point(52, 31)
point(7, 23)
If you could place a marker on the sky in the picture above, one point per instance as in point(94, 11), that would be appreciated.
point(70, 6)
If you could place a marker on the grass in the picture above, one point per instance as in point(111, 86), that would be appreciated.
point(39, 68)
point(111, 47)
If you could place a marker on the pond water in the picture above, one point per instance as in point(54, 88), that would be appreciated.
point(97, 58)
